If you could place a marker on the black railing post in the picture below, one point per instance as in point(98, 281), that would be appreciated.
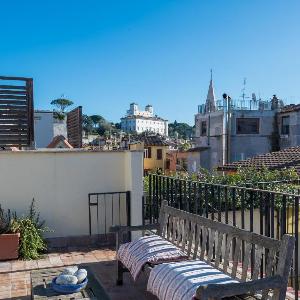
point(195, 198)
point(226, 204)
point(150, 198)
point(128, 210)
point(219, 204)
point(212, 202)
point(234, 206)
point(296, 253)
point(206, 200)
point(168, 190)
point(180, 194)
point(283, 216)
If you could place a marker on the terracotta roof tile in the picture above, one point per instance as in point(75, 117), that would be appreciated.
point(153, 140)
point(286, 158)
point(290, 108)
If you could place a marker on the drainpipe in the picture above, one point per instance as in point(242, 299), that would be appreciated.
point(229, 131)
point(228, 128)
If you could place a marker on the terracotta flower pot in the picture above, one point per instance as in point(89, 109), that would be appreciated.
point(9, 246)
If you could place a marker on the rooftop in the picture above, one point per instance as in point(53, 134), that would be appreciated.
point(290, 108)
point(153, 140)
point(286, 158)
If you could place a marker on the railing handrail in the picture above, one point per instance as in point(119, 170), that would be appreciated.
point(229, 186)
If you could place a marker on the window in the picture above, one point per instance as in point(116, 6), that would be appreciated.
point(145, 153)
point(247, 125)
point(149, 152)
point(159, 154)
point(285, 125)
point(203, 128)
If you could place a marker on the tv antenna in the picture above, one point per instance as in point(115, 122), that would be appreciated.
point(244, 92)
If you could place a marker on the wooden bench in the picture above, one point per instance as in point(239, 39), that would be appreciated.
point(226, 248)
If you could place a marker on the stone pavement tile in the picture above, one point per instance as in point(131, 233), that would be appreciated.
point(17, 265)
point(5, 266)
point(31, 264)
point(5, 288)
point(66, 258)
point(5, 294)
point(104, 255)
point(44, 263)
point(77, 259)
point(19, 293)
point(4, 277)
point(89, 258)
point(56, 261)
point(19, 275)
point(54, 254)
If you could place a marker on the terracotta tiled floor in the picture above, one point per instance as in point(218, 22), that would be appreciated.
point(15, 281)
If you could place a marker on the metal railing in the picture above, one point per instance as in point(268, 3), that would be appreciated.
point(265, 212)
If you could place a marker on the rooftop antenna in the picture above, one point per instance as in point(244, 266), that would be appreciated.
point(243, 92)
point(244, 89)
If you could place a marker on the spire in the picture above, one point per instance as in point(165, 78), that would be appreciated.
point(210, 105)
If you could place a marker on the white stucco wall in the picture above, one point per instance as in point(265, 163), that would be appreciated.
point(61, 180)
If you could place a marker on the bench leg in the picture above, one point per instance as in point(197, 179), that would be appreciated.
point(119, 273)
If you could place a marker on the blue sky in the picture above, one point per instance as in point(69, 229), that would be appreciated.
point(105, 54)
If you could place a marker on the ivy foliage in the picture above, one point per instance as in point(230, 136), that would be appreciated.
point(216, 187)
point(274, 180)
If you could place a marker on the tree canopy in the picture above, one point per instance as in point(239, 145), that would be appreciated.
point(180, 130)
point(96, 124)
point(61, 104)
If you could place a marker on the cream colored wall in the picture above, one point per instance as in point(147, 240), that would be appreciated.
point(60, 182)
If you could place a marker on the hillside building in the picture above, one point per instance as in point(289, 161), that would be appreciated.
point(137, 121)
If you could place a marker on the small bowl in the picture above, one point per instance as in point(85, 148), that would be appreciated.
point(68, 288)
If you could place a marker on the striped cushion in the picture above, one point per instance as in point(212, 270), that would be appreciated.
point(151, 249)
point(180, 280)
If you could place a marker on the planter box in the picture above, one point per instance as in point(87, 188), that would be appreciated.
point(9, 246)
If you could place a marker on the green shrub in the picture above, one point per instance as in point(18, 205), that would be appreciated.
point(31, 229)
point(31, 240)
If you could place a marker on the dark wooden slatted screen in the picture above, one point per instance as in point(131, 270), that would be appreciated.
point(16, 112)
point(74, 127)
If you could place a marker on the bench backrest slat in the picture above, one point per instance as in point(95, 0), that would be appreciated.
point(257, 261)
point(227, 252)
point(203, 242)
point(219, 249)
point(197, 240)
point(236, 256)
point(211, 239)
point(246, 261)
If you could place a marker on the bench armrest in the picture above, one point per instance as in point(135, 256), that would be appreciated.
point(120, 230)
point(234, 289)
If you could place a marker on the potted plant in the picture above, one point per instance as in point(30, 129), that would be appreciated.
point(9, 241)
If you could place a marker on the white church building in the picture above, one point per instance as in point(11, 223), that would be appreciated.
point(143, 121)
